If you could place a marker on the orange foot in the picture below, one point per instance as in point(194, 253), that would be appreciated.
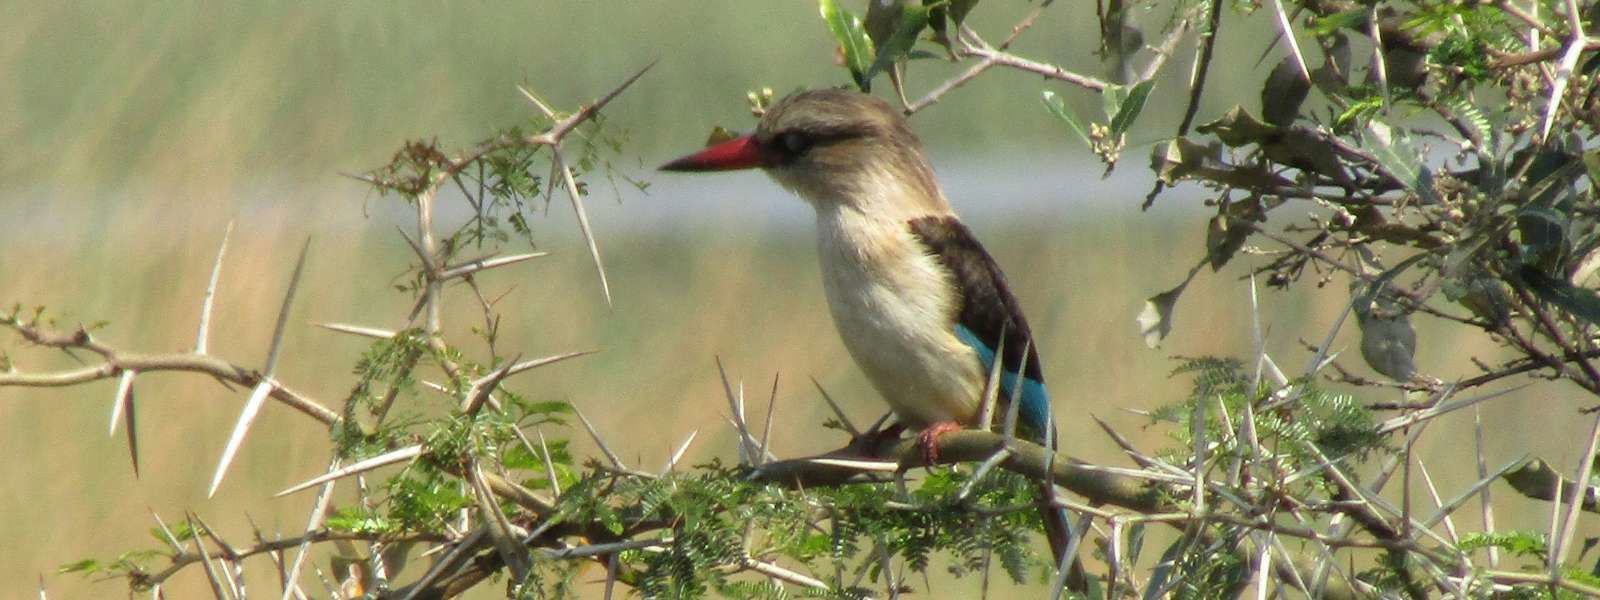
point(929, 438)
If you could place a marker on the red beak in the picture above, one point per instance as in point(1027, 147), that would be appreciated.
point(737, 153)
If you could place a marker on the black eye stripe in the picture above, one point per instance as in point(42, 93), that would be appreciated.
point(792, 143)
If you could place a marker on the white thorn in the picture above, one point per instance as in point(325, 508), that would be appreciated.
point(251, 408)
point(387, 458)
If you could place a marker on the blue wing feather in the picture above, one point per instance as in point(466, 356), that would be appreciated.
point(1035, 409)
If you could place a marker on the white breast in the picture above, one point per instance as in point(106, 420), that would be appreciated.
point(895, 308)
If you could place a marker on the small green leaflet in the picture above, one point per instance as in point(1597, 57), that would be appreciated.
point(1062, 112)
point(852, 39)
point(1399, 160)
point(913, 18)
point(1131, 106)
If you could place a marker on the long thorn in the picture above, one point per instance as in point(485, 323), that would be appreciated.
point(119, 402)
point(466, 547)
point(837, 412)
point(991, 388)
point(385, 459)
point(283, 312)
point(1585, 468)
point(473, 267)
point(247, 417)
point(131, 415)
point(1487, 509)
point(537, 102)
point(583, 220)
point(370, 332)
point(318, 511)
point(1016, 389)
point(479, 392)
point(736, 408)
point(227, 554)
point(766, 430)
point(561, 128)
point(205, 562)
point(211, 292)
point(539, 362)
point(166, 532)
point(611, 456)
point(678, 454)
point(1288, 36)
point(549, 465)
point(501, 530)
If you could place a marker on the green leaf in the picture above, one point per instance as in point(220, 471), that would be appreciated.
point(1111, 100)
point(1063, 113)
point(1182, 158)
point(1135, 543)
point(1583, 303)
point(853, 41)
point(550, 407)
point(1518, 543)
point(1283, 93)
point(912, 19)
point(944, 16)
point(1238, 128)
point(1543, 232)
point(1591, 163)
point(1131, 107)
point(1224, 237)
point(1471, 115)
point(86, 566)
point(1485, 296)
point(1326, 25)
point(1399, 160)
point(1155, 321)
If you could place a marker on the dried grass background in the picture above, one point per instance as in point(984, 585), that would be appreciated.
point(132, 134)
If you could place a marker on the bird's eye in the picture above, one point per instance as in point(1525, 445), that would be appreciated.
point(794, 142)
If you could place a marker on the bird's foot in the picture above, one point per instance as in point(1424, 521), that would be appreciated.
point(929, 438)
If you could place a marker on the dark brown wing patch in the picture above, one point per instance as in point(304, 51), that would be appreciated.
point(987, 305)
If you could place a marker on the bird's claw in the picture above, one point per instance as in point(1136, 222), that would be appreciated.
point(929, 439)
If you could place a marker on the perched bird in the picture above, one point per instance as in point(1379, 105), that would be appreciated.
point(919, 304)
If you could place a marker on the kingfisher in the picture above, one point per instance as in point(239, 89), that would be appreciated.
point(919, 304)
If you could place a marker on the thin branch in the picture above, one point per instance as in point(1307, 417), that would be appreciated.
point(1208, 43)
point(950, 85)
point(1047, 71)
point(148, 363)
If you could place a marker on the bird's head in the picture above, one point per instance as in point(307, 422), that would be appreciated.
point(828, 146)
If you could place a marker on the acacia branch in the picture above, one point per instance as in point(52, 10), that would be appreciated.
point(116, 362)
point(183, 559)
